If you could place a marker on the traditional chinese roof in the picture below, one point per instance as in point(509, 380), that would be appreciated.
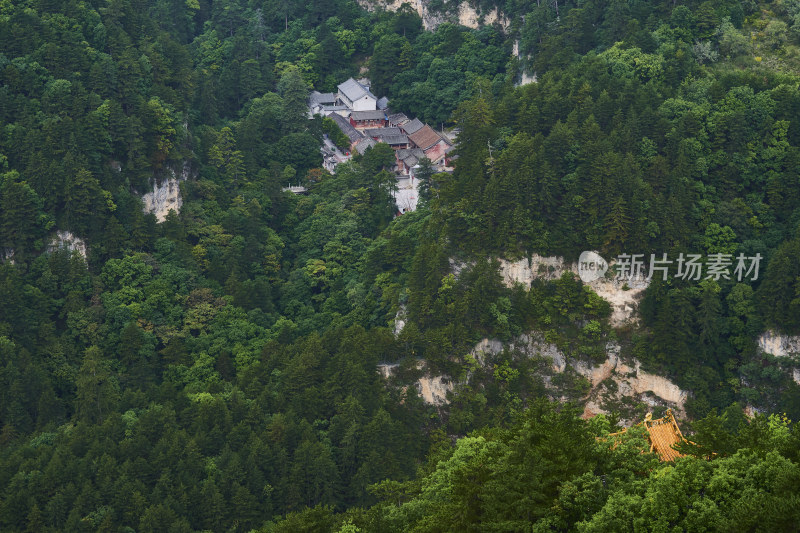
point(347, 128)
point(353, 90)
point(413, 126)
point(362, 145)
point(398, 119)
point(317, 97)
point(663, 433)
point(410, 156)
point(367, 115)
point(330, 109)
point(394, 139)
point(382, 132)
point(383, 103)
point(425, 137)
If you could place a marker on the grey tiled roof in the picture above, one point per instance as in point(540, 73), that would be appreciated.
point(382, 132)
point(398, 119)
point(410, 156)
point(395, 139)
point(328, 109)
point(347, 128)
point(317, 97)
point(367, 115)
point(362, 145)
point(413, 126)
point(354, 90)
point(410, 152)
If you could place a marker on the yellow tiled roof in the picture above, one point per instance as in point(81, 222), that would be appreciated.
point(663, 433)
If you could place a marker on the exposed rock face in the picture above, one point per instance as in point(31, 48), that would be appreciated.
point(432, 389)
point(779, 345)
point(166, 194)
point(611, 381)
point(387, 369)
point(532, 344)
point(539, 267)
point(399, 321)
point(429, 20)
point(524, 78)
point(466, 15)
point(629, 380)
point(622, 295)
point(486, 347)
point(624, 301)
point(752, 411)
point(65, 239)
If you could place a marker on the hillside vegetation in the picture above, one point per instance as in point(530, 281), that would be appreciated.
point(217, 371)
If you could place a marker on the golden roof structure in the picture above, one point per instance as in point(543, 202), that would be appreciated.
point(663, 433)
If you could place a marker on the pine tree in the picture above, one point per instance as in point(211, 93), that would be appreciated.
point(85, 200)
point(424, 175)
point(97, 390)
point(616, 227)
point(294, 92)
point(226, 158)
point(22, 222)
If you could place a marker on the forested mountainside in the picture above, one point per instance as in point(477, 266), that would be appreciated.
point(215, 368)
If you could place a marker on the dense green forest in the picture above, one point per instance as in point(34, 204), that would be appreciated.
point(217, 371)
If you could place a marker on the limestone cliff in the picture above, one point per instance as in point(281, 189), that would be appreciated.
point(780, 345)
point(623, 296)
point(65, 239)
point(166, 193)
point(432, 389)
point(613, 382)
point(465, 14)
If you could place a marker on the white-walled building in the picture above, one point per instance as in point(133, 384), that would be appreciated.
point(356, 96)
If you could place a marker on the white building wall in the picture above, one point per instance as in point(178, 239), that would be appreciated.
point(365, 103)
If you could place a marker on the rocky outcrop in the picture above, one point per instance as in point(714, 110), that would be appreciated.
point(612, 381)
point(166, 193)
point(61, 239)
point(466, 14)
point(538, 267)
point(530, 345)
point(630, 381)
point(432, 389)
point(623, 296)
point(469, 17)
point(387, 369)
point(524, 77)
point(67, 240)
point(400, 320)
point(779, 345)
